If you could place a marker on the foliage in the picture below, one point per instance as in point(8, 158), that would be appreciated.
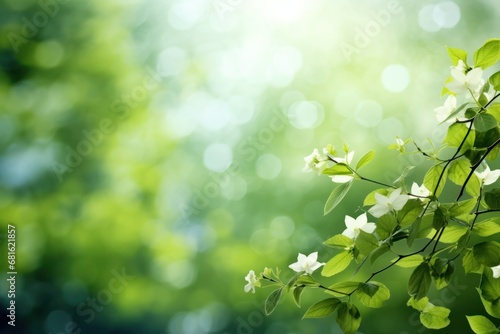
point(454, 233)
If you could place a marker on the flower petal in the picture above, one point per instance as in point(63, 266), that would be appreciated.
point(378, 210)
point(399, 202)
point(313, 257)
point(350, 233)
point(369, 227)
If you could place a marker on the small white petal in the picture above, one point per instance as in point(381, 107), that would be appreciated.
point(369, 227)
point(378, 210)
point(350, 222)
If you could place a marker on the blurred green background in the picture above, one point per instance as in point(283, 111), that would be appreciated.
point(151, 152)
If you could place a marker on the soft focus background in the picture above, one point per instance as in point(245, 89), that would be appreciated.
point(151, 152)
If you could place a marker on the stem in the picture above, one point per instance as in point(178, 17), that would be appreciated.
point(374, 181)
point(474, 167)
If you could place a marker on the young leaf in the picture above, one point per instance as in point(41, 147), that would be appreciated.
point(484, 122)
point(372, 294)
point(456, 55)
point(495, 80)
point(306, 280)
point(488, 54)
point(337, 264)
point(487, 253)
point(322, 309)
point(420, 281)
point(348, 318)
point(481, 325)
point(410, 261)
point(432, 177)
point(273, 300)
point(336, 196)
point(339, 241)
point(492, 198)
point(487, 227)
point(435, 317)
point(297, 292)
point(365, 159)
point(337, 169)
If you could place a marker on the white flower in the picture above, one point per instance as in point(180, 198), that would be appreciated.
point(444, 111)
point(420, 192)
point(488, 176)
point(496, 271)
point(463, 82)
point(306, 263)
point(315, 162)
point(400, 142)
point(253, 281)
point(346, 160)
point(356, 225)
point(395, 201)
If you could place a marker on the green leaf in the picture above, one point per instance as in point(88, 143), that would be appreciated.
point(414, 229)
point(297, 292)
point(365, 159)
point(487, 227)
point(439, 219)
point(453, 233)
point(378, 252)
point(486, 139)
point(494, 110)
point(348, 318)
point(420, 281)
point(456, 55)
point(432, 177)
point(337, 169)
point(493, 308)
point(458, 172)
point(273, 300)
point(410, 212)
point(372, 294)
point(339, 241)
point(336, 196)
point(343, 288)
point(456, 134)
point(370, 198)
point(490, 286)
point(459, 208)
point(322, 309)
point(492, 198)
point(487, 253)
point(464, 239)
point(484, 122)
point(386, 226)
point(470, 263)
point(425, 226)
point(410, 261)
point(481, 325)
point(495, 80)
point(435, 317)
point(442, 271)
point(306, 280)
point(418, 305)
point(488, 54)
point(337, 264)
point(366, 243)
